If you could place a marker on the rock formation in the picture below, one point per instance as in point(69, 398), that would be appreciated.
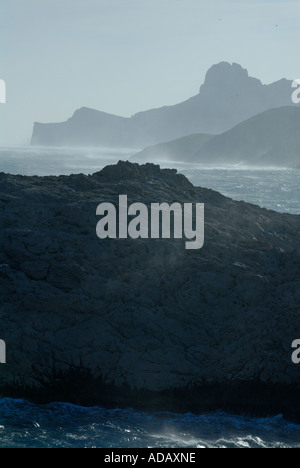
point(145, 323)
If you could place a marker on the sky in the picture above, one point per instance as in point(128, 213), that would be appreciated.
point(125, 56)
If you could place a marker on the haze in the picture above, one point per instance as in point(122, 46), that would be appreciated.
point(126, 56)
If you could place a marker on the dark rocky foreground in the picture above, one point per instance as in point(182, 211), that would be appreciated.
point(146, 323)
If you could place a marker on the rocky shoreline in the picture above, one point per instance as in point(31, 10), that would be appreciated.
point(145, 323)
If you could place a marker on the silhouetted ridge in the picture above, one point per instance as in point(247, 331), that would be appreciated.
point(227, 97)
point(270, 139)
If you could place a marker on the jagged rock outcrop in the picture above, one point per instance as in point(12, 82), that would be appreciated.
point(146, 322)
point(227, 97)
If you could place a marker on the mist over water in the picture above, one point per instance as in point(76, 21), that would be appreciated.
point(274, 189)
point(46, 161)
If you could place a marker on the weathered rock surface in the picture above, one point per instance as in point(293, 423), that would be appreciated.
point(145, 322)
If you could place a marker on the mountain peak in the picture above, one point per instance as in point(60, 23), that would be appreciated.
point(228, 75)
point(227, 97)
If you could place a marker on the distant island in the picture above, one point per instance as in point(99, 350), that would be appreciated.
point(228, 97)
point(268, 139)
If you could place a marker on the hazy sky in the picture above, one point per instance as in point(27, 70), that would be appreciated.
point(123, 56)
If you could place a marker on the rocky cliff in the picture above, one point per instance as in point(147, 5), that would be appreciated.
point(227, 97)
point(146, 323)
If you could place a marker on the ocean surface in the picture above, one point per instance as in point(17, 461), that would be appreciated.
point(275, 189)
point(61, 425)
point(23, 424)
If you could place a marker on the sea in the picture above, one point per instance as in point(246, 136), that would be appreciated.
point(62, 425)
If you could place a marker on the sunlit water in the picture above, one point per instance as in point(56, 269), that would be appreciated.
point(23, 424)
